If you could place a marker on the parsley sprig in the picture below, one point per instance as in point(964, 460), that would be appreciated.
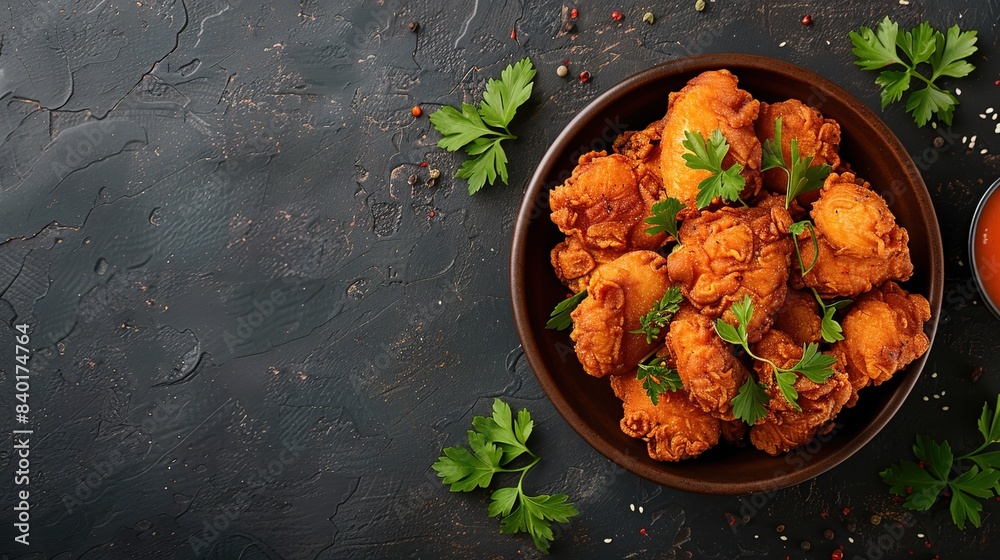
point(829, 327)
point(803, 176)
point(796, 230)
point(816, 366)
point(479, 131)
point(921, 483)
point(664, 217)
point(922, 45)
point(495, 443)
point(724, 183)
point(560, 318)
point(660, 314)
point(657, 378)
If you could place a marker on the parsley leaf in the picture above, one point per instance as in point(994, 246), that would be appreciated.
point(813, 364)
point(796, 230)
point(664, 217)
point(803, 176)
point(749, 402)
point(829, 327)
point(875, 50)
point(657, 378)
point(560, 318)
point(495, 443)
point(724, 183)
point(921, 483)
point(479, 132)
point(660, 314)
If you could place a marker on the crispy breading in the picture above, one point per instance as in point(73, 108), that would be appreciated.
point(784, 427)
point(711, 374)
point(674, 429)
point(602, 209)
point(709, 101)
point(734, 252)
point(860, 244)
point(799, 317)
point(883, 332)
point(619, 293)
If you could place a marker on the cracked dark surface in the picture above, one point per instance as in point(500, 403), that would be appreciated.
point(245, 314)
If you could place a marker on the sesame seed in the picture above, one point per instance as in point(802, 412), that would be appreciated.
point(990, 110)
point(904, 2)
point(607, 541)
point(920, 535)
point(958, 91)
point(631, 507)
point(756, 536)
point(934, 375)
point(944, 408)
point(997, 129)
point(983, 151)
point(925, 398)
point(850, 540)
point(640, 509)
point(937, 396)
point(995, 115)
point(982, 115)
point(934, 125)
point(783, 43)
point(783, 537)
point(965, 139)
point(942, 393)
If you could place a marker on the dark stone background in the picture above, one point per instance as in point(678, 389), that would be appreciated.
point(252, 338)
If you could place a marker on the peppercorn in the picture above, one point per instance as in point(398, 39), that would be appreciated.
point(573, 13)
point(414, 26)
point(851, 527)
point(876, 519)
point(417, 111)
point(939, 143)
point(805, 545)
point(616, 15)
point(837, 555)
point(779, 528)
point(977, 372)
point(828, 534)
point(807, 19)
point(584, 76)
point(562, 71)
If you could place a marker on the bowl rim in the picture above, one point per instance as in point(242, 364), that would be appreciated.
point(994, 306)
point(519, 286)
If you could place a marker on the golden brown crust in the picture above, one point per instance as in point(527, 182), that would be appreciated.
point(619, 293)
point(799, 317)
point(734, 252)
point(883, 332)
point(818, 137)
point(708, 102)
point(674, 429)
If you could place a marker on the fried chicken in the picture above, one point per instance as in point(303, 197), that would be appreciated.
point(674, 429)
point(799, 317)
point(711, 374)
point(784, 427)
point(860, 244)
point(883, 332)
point(601, 208)
point(817, 137)
point(619, 293)
point(708, 102)
point(734, 252)
point(642, 147)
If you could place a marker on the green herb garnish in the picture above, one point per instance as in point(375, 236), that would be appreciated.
point(796, 230)
point(657, 378)
point(724, 183)
point(802, 175)
point(480, 131)
point(829, 327)
point(660, 314)
point(664, 217)
point(921, 483)
point(560, 318)
point(816, 366)
point(495, 443)
point(922, 45)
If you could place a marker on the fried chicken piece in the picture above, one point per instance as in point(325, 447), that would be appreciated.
point(799, 317)
point(883, 332)
point(674, 429)
point(711, 374)
point(642, 147)
point(734, 252)
point(601, 208)
point(784, 427)
point(619, 293)
point(708, 102)
point(860, 244)
point(818, 137)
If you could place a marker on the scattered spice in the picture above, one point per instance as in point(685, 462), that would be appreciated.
point(730, 518)
point(432, 213)
point(939, 142)
point(574, 13)
point(779, 528)
point(807, 20)
point(846, 511)
point(699, 5)
point(417, 111)
point(837, 555)
point(513, 33)
point(977, 372)
point(423, 164)
point(876, 519)
point(805, 545)
point(414, 26)
point(648, 18)
point(746, 519)
point(584, 76)
point(828, 534)
point(562, 71)
point(642, 531)
point(434, 173)
point(996, 83)
point(616, 15)
point(851, 527)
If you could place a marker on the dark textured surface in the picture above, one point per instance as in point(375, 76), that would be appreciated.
point(252, 338)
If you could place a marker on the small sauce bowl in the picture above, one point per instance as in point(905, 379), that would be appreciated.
point(984, 247)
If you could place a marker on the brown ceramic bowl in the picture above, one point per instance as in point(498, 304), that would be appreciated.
point(587, 403)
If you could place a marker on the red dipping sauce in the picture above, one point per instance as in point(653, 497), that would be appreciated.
point(985, 247)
